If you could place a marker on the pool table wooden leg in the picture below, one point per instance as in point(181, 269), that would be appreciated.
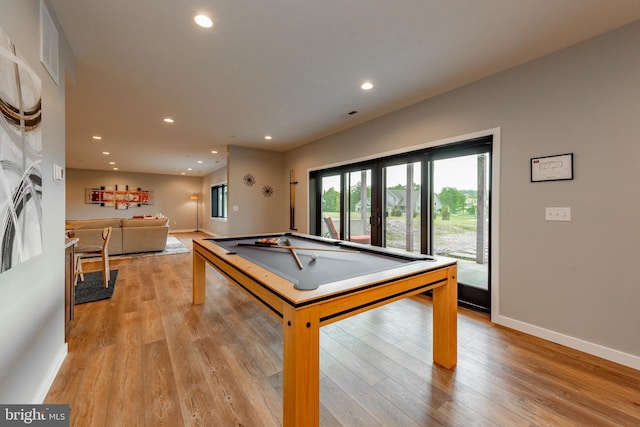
point(199, 274)
point(445, 321)
point(301, 370)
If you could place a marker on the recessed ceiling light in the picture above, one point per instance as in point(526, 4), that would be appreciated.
point(189, 169)
point(200, 161)
point(112, 163)
point(115, 169)
point(168, 120)
point(366, 85)
point(183, 173)
point(203, 20)
point(267, 137)
point(96, 137)
point(106, 153)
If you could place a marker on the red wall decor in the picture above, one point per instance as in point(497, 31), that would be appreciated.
point(118, 196)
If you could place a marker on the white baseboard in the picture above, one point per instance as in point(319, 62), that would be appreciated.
point(189, 230)
point(47, 381)
point(575, 343)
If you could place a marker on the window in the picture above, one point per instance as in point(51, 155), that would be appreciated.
point(219, 201)
point(433, 200)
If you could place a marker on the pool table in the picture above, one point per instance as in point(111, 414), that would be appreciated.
point(330, 280)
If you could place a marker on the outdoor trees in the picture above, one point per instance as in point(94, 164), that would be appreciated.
point(453, 199)
point(331, 200)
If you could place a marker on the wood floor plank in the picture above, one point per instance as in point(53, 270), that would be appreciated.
point(413, 404)
point(224, 386)
point(256, 358)
point(126, 373)
point(219, 398)
point(269, 332)
point(264, 401)
point(151, 322)
point(161, 402)
point(148, 357)
point(89, 408)
point(344, 408)
point(356, 364)
point(187, 372)
point(509, 388)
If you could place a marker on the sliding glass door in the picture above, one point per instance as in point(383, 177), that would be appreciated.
point(358, 206)
point(432, 201)
point(403, 206)
point(460, 221)
point(345, 205)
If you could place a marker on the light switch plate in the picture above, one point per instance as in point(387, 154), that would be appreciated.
point(557, 214)
point(58, 173)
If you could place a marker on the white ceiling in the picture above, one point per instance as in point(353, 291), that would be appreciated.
point(287, 68)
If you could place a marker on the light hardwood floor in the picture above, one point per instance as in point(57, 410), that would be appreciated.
point(147, 357)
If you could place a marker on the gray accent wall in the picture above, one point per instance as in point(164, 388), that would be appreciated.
point(32, 294)
point(570, 282)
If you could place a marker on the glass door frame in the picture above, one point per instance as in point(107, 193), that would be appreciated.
point(468, 296)
point(463, 147)
point(315, 203)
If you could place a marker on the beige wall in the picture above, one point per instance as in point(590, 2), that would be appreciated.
point(32, 294)
point(217, 226)
point(171, 194)
point(569, 282)
point(256, 213)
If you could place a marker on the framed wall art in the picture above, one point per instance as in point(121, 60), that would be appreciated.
point(118, 197)
point(20, 158)
point(552, 168)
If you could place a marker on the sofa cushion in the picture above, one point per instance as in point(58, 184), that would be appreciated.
point(79, 224)
point(144, 239)
point(144, 222)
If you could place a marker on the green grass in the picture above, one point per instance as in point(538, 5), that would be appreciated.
point(455, 224)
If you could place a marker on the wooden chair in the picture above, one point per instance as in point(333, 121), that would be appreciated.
point(103, 251)
point(365, 239)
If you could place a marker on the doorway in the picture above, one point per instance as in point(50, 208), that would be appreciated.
point(432, 201)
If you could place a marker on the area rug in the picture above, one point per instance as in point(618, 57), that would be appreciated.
point(174, 246)
point(92, 288)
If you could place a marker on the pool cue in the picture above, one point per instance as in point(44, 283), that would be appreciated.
point(292, 200)
point(299, 248)
point(295, 255)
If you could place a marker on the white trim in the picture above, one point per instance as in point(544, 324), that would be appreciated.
point(47, 381)
point(495, 223)
point(210, 233)
point(185, 230)
point(575, 343)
